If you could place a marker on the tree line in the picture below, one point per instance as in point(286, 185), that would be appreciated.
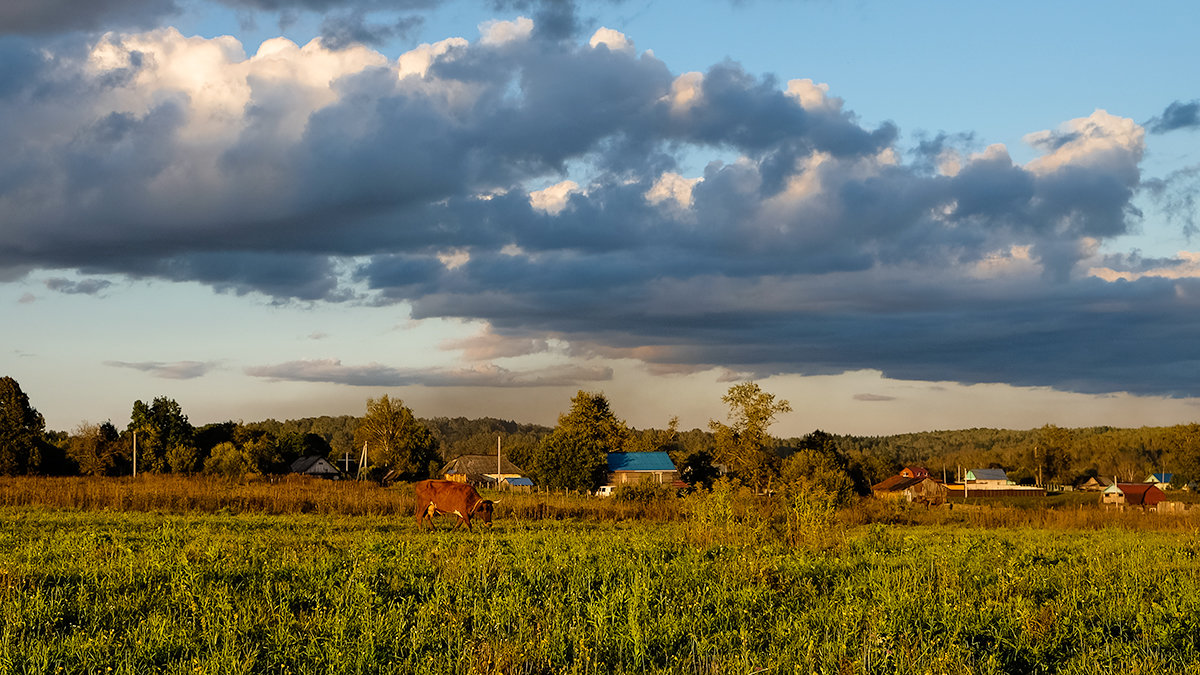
point(572, 454)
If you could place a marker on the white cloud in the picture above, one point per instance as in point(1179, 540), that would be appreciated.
point(454, 258)
point(674, 187)
point(687, 90)
point(495, 33)
point(813, 96)
point(1100, 140)
point(613, 39)
point(553, 200)
point(1186, 267)
point(417, 61)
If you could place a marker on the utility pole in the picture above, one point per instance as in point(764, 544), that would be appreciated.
point(135, 454)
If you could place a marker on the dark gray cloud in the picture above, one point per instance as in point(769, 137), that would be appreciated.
point(806, 246)
point(376, 375)
point(41, 17)
point(178, 370)
point(33, 17)
point(342, 30)
point(82, 287)
point(1178, 115)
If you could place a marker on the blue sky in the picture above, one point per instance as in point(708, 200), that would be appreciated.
point(899, 216)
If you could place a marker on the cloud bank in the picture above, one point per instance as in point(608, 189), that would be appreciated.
point(550, 188)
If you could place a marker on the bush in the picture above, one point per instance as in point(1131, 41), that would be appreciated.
point(643, 491)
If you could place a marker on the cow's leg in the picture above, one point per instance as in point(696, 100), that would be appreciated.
point(425, 515)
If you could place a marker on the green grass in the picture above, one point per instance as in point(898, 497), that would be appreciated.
point(308, 593)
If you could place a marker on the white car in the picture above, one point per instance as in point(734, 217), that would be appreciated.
point(605, 491)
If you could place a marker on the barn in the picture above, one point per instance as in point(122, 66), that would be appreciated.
point(1132, 494)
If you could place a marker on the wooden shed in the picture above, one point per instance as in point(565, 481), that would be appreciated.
point(926, 491)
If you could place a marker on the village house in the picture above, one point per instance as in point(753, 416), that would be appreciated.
point(914, 472)
point(1095, 484)
point(1161, 480)
point(987, 477)
point(1132, 494)
point(634, 467)
point(317, 466)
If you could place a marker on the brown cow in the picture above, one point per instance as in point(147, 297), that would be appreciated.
point(445, 496)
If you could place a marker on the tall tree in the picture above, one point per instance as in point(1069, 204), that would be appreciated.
point(21, 427)
point(743, 445)
point(161, 427)
point(574, 455)
point(396, 441)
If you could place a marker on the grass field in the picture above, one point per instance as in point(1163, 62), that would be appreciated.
point(101, 591)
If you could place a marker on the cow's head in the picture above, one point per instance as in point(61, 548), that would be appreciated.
point(483, 511)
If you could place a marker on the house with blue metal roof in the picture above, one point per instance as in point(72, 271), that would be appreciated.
point(634, 467)
point(1162, 480)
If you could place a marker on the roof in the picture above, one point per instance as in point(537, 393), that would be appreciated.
point(1160, 478)
point(1137, 493)
point(640, 461)
point(987, 474)
point(896, 483)
point(481, 465)
point(519, 482)
point(308, 464)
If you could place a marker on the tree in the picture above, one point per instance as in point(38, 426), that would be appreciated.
point(21, 427)
point(743, 445)
point(96, 449)
point(226, 460)
point(697, 470)
point(1052, 455)
point(160, 427)
point(396, 441)
point(574, 456)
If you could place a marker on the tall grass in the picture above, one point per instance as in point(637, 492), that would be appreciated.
point(312, 593)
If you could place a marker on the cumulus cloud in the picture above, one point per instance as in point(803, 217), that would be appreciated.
point(535, 184)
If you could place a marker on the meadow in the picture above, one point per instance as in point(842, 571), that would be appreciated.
point(705, 585)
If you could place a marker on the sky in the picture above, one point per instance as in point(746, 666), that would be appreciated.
point(897, 216)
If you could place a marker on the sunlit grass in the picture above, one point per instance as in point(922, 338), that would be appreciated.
point(316, 593)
